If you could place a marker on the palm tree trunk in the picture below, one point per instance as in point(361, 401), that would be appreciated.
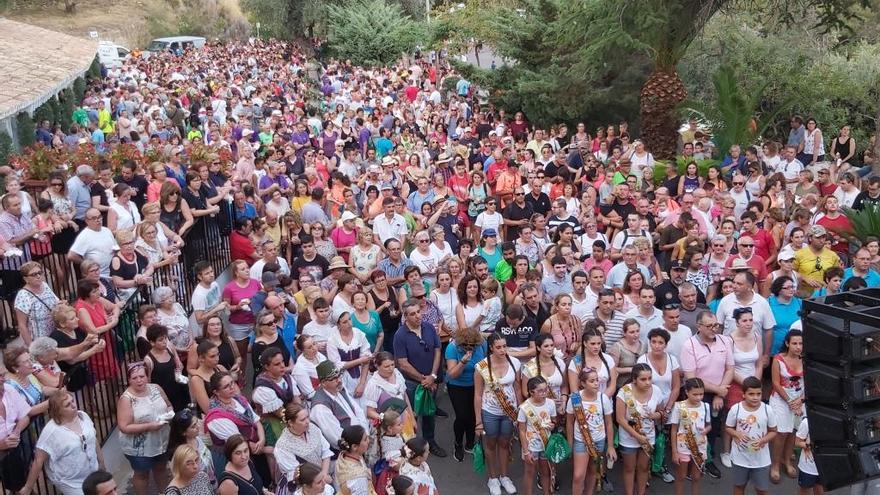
point(660, 96)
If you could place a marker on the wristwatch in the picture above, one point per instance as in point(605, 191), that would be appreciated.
point(434, 376)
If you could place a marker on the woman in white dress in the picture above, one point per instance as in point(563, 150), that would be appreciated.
point(349, 350)
point(304, 371)
point(123, 213)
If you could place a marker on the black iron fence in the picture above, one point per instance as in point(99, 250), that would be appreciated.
point(207, 241)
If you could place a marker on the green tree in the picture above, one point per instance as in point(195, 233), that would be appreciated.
point(600, 34)
point(26, 130)
point(371, 32)
point(732, 114)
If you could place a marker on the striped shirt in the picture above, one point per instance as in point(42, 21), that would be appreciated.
point(613, 327)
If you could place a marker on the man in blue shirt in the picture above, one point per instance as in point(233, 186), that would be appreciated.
point(862, 268)
point(79, 192)
point(285, 321)
point(44, 133)
point(417, 352)
point(241, 208)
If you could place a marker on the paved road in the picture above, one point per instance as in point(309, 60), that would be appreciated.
point(459, 478)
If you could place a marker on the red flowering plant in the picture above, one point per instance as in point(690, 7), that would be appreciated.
point(121, 153)
point(38, 161)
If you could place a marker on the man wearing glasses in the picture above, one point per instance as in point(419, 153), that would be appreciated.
point(746, 258)
point(95, 242)
point(812, 260)
point(417, 352)
point(740, 195)
point(744, 296)
point(710, 356)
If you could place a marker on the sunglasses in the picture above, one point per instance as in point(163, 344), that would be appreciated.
point(739, 183)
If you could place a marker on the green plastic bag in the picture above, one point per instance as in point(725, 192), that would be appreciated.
point(659, 452)
point(557, 449)
point(479, 457)
point(424, 404)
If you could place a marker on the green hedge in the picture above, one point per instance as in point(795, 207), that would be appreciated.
point(5, 148)
point(79, 89)
point(26, 130)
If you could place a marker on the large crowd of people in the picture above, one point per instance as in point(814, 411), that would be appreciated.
point(398, 244)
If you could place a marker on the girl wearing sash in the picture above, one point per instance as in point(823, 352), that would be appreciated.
point(548, 365)
point(638, 407)
point(690, 422)
point(588, 427)
point(496, 395)
point(535, 422)
point(590, 355)
point(353, 475)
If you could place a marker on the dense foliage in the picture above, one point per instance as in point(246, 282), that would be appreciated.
point(371, 32)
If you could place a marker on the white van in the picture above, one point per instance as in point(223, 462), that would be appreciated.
point(112, 55)
point(176, 44)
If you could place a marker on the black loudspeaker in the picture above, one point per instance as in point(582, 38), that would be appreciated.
point(842, 385)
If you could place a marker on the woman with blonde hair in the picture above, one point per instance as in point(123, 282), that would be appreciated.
point(187, 477)
point(129, 268)
point(165, 236)
point(364, 256)
point(68, 446)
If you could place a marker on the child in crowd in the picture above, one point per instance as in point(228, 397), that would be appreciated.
point(638, 407)
point(752, 426)
point(491, 306)
point(808, 474)
point(690, 423)
point(415, 454)
point(535, 422)
point(589, 425)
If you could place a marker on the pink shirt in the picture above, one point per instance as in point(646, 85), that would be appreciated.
point(235, 294)
point(707, 361)
point(16, 408)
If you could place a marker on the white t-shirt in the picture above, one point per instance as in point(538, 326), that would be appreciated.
point(554, 381)
point(319, 332)
point(69, 463)
point(386, 229)
point(427, 263)
point(755, 425)
point(806, 462)
point(486, 221)
point(257, 268)
point(543, 415)
point(697, 418)
point(603, 372)
point(202, 300)
point(507, 384)
point(626, 238)
point(644, 409)
point(762, 315)
point(677, 339)
point(596, 412)
point(96, 246)
point(664, 381)
point(583, 310)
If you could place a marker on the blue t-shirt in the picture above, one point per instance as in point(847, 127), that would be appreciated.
point(466, 378)
point(418, 351)
point(872, 278)
point(785, 315)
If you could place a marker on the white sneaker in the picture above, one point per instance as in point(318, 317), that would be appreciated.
point(508, 485)
point(494, 486)
point(725, 460)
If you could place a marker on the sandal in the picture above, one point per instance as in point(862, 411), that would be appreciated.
point(774, 476)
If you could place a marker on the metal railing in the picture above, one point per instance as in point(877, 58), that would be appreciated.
point(204, 242)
